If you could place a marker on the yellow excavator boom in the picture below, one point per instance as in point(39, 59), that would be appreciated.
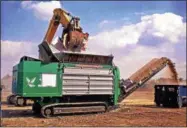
point(60, 16)
point(72, 39)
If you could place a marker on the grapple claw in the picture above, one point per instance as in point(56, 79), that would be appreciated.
point(77, 41)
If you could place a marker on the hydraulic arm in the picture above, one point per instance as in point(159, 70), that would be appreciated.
point(73, 39)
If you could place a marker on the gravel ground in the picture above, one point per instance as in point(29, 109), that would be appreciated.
point(137, 110)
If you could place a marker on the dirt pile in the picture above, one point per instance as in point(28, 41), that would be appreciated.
point(148, 86)
point(138, 110)
point(6, 83)
point(166, 81)
point(172, 70)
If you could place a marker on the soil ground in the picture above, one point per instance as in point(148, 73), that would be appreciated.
point(136, 110)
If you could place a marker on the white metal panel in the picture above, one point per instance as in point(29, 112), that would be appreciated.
point(87, 81)
point(101, 78)
point(86, 71)
point(75, 82)
point(48, 80)
point(100, 92)
point(108, 83)
point(75, 77)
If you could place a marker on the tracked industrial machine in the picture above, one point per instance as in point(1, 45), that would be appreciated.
point(70, 81)
point(81, 83)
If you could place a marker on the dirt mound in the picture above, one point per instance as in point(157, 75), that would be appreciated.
point(138, 110)
point(149, 85)
point(166, 81)
point(6, 83)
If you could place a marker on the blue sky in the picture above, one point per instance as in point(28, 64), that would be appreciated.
point(139, 30)
point(19, 24)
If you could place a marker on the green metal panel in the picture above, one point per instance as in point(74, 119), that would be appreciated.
point(30, 79)
point(30, 74)
point(116, 84)
point(14, 79)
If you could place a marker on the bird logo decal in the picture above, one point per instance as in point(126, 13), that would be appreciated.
point(30, 82)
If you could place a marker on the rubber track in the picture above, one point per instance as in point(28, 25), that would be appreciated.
point(80, 103)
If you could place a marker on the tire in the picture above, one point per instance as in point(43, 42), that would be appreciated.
point(48, 112)
point(14, 100)
point(21, 101)
point(179, 102)
point(9, 99)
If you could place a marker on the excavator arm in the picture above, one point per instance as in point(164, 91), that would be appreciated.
point(72, 39)
point(59, 17)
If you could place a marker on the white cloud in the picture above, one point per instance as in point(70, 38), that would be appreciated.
point(126, 44)
point(12, 51)
point(103, 22)
point(167, 26)
point(13, 48)
point(42, 10)
point(138, 57)
point(130, 59)
point(107, 23)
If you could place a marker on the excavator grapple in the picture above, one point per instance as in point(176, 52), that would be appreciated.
point(77, 41)
point(73, 38)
